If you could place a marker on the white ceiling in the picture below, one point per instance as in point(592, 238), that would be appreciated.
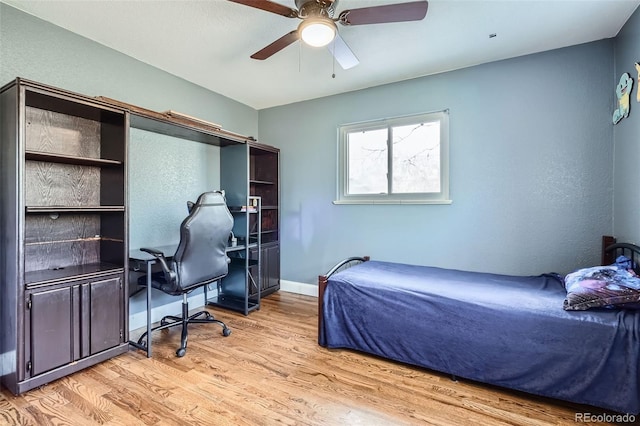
point(209, 42)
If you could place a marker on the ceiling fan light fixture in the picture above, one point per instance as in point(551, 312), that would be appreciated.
point(317, 32)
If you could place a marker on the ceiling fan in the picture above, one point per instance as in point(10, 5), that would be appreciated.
point(318, 27)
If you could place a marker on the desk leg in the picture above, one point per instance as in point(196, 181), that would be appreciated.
point(149, 265)
point(140, 344)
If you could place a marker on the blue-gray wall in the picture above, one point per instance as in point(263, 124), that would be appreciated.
point(531, 169)
point(627, 137)
point(40, 51)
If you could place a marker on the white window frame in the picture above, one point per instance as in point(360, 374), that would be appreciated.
point(442, 197)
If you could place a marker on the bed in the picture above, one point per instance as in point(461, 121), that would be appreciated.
point(509, 331)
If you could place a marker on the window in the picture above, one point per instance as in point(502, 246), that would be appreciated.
point(403, 160)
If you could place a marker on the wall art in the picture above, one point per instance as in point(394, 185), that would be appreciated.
point(623, 91)
point(637, 64)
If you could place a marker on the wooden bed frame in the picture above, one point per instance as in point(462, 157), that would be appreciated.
point(323, 280)
point(611, 249)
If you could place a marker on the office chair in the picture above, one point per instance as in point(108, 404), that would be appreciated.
point(200, 259)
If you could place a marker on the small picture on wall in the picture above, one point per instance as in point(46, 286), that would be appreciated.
point(623, 91)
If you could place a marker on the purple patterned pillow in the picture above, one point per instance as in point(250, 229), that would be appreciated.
point(602, 287)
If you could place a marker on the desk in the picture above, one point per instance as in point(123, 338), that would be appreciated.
point(143, 261)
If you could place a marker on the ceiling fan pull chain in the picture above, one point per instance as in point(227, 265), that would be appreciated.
point(333, 58)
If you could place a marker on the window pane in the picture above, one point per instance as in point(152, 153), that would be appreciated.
point(416, 158)
point(367, 156)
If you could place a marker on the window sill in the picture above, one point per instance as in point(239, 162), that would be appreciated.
point(370, 202)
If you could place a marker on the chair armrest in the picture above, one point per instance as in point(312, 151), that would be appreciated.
point(152, 251)
point(163, 261)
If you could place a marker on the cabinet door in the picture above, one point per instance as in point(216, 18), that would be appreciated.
point(271, 266)
point(102, 309)
point(51, 329)
point(255, 274)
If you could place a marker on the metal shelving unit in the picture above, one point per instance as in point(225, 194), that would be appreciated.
point(240, 289)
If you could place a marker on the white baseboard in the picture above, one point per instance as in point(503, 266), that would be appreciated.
point(8, 362)
point(299, 288)
point(139, 319)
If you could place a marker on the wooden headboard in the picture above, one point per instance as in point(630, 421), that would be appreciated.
point(612, 249)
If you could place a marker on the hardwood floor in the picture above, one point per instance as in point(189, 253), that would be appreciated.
point(269, 371)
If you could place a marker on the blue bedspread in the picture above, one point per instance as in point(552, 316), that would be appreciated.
point(508, 331)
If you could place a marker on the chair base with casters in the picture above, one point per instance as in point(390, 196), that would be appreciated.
point(200, 259)
point(202, 317)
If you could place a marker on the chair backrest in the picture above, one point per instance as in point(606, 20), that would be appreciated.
point(201, 254)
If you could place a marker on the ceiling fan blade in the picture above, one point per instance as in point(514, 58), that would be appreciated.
point(269, 6)
point(343, 54)
point(400, 12)
point(276, 46)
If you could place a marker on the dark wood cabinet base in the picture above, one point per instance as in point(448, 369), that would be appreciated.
point(63, 371)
